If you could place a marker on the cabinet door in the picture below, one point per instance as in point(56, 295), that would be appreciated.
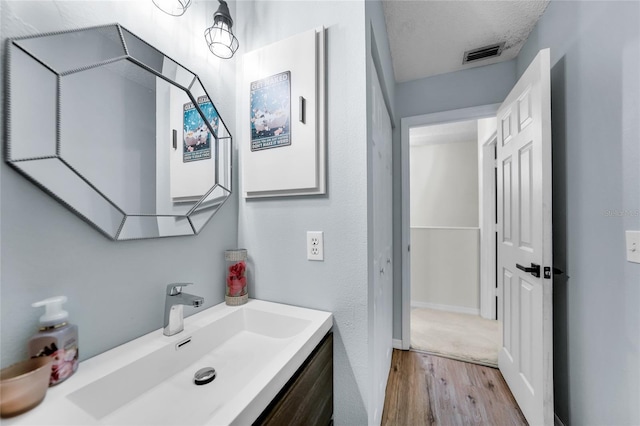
point(307, 399)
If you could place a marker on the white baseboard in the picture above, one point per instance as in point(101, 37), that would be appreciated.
point(396, 343)
point(448, 308)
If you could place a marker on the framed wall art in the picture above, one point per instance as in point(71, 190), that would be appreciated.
point(270, 110)
point(283, 124)
point(196, 141)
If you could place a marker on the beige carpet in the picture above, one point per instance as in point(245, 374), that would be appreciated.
point(463, 337)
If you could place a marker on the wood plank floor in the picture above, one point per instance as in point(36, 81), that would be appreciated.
point(425, 389)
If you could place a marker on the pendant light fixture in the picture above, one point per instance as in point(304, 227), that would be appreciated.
point(219, 37)
point(173, 7)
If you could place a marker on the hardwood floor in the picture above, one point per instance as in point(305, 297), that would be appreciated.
point(425, 389)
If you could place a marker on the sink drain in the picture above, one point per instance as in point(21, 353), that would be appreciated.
point(204, 376)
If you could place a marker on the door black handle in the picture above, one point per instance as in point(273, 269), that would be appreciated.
point(533, 270)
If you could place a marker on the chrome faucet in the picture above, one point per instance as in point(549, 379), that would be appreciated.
point(173, 307)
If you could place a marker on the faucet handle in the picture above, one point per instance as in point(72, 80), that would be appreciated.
point(176, 288)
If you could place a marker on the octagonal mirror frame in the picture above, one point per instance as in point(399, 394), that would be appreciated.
point(92, 118)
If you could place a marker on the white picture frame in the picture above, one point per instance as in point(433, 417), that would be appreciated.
point(296, 168)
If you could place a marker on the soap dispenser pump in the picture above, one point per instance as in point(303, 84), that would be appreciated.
point(57, 339)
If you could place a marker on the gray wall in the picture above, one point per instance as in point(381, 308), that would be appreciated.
point(595, 85)
point(274, 230)
point(461, 89)
point(115, 289)
point(456, 90)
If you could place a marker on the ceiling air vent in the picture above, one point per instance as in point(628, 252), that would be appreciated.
point(485, 52)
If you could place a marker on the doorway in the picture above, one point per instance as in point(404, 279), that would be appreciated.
point(524, 239)
point(452, 193)
point(466, 114)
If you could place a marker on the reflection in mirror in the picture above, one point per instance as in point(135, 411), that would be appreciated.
point(74, 50)
point(39, 89)
point(127, 138)
point(79, 195)
point(154, 59)
point(206, 209)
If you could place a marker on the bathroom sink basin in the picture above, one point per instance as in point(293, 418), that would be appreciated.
point(254, 348)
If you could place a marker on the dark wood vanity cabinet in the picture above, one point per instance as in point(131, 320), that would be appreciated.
point(307, 399)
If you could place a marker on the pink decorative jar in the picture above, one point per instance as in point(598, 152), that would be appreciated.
point(236, 288)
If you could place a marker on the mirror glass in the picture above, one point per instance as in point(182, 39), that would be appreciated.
point(121, 134)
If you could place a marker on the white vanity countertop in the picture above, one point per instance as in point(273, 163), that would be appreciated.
point(255, 348)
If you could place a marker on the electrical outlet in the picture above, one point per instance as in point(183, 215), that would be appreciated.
point(315, 245)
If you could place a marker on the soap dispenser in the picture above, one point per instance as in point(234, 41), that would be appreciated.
point(57, 339)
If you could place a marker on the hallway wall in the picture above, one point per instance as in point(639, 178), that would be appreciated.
point(445, 269)
point(595, 89)
point(444, 184)
point(444, 198)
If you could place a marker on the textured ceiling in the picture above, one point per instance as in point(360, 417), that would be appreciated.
point(429, 37)
point(460, 131)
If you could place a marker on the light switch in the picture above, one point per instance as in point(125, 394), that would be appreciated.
point(633, 246)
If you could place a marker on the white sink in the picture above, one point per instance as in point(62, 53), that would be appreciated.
point(254, 348)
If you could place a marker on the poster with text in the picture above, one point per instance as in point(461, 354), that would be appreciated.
point(270, 105)
point(197, 138)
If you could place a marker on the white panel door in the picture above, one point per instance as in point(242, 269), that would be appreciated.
point(382, 291)
point(524, 241)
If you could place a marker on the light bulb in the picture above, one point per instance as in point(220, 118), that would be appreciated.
point(219, 37)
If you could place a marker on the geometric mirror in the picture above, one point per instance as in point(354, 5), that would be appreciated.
point(118, 132)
